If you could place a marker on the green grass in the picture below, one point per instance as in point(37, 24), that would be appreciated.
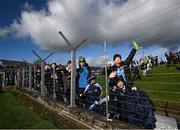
point(160, 86)
point(14, 115)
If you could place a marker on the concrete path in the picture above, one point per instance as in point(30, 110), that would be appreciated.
point(164, 122)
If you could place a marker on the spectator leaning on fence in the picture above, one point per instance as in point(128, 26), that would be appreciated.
point(93, 93)
point(120, 69)
point(133, 106)
point(119, 96)
point(48, 80)
point(83, 73)
point(67, 82)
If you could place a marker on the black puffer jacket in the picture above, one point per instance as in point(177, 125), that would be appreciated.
point(123, 70)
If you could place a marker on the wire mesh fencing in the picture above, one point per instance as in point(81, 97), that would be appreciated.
point(128, 107)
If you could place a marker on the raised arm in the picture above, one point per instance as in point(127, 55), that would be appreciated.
point(130, 57)
point(135, 47)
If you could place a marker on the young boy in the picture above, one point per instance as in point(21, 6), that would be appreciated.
point(93, 92)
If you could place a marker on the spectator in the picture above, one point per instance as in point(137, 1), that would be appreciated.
point(136, 73)
point(67, 82)
point(132, 106)
point(152, 60)
point(93, 92)
point(120, 69)
point(59, 82)
point(83, 73)
point(167, 58)
point(144, 67)
point(48, 80)
point(172, 58)
point(156, 61)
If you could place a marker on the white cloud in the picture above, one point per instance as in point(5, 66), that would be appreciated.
point(97, 61)
point(3, 32)
point(147, 21)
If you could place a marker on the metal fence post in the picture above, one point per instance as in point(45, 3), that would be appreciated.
point(42, 71)
point(15, 79)
point(30, 76)
point(106, 80)
point(18, 78)
point(23, 75)
point(42, 79)
point(73, 77)
point(73, 68)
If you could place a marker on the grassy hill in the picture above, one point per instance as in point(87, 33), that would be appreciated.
point(163, 87)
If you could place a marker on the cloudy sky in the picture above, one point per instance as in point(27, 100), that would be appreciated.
point(27, 25)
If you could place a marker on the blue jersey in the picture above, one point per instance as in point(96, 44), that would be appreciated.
point(120, 72)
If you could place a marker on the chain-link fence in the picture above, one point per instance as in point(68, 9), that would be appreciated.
point(133, 106)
